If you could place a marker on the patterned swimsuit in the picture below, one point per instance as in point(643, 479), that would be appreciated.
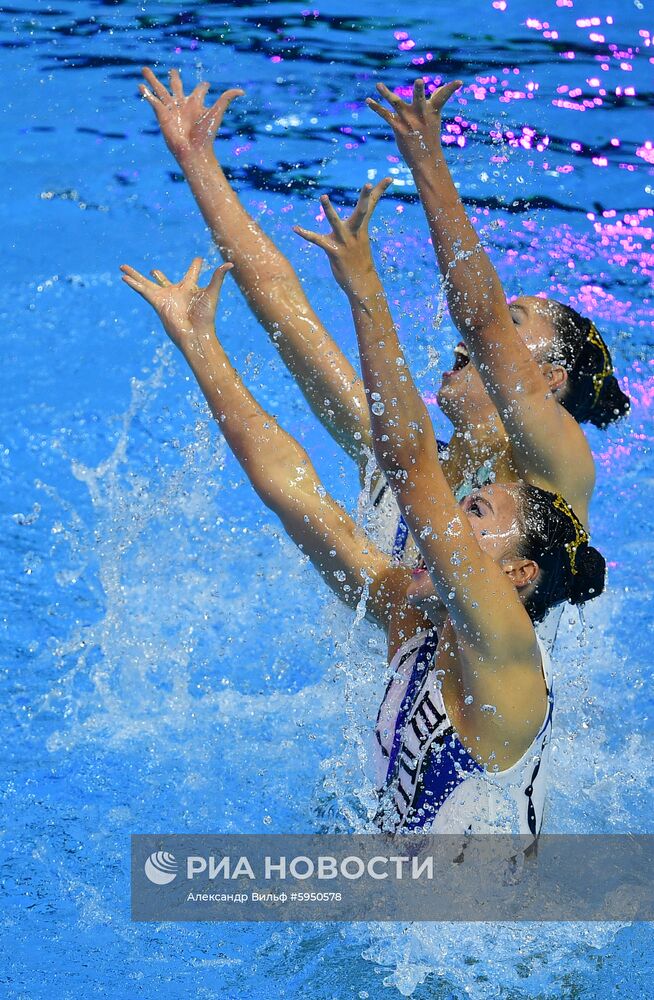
point(427, 777)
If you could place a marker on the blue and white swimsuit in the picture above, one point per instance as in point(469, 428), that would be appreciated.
point(387, 528)
point(428, 780)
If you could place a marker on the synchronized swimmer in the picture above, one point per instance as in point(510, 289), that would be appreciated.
point(470, 544)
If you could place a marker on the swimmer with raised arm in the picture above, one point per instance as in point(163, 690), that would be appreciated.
point(545, 367)
point(532, 559)
point(273, 291)
point(271, 287)
point(277, 466)
point(466, 745)
point(479, 449)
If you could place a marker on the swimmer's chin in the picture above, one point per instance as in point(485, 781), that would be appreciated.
point(457, 402)
point(420, 595)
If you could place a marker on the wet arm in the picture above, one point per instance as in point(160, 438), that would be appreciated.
point(491, 625)
point(271, 287)
point(481, 601)
point(534, 420)
point(494, 635)
point(265, 276)
point(285, 480)
point(276, 465)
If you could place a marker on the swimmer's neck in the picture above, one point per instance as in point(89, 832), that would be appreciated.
point(470, 447)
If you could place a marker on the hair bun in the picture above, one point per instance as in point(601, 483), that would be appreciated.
point(590, 579)
point(612, 404)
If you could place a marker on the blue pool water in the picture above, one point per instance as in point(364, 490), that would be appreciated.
point(169, 662)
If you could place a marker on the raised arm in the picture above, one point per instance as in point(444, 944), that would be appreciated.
point(481, 600)
point(549, 447)
point(264, 275)
point(276, 465)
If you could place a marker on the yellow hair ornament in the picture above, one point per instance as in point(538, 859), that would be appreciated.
point(595, 338)
point(581, 535)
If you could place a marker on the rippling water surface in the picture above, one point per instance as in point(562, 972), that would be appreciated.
point(169, 661)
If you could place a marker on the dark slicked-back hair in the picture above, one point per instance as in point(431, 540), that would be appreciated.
point(593, 394)
point(552, 535)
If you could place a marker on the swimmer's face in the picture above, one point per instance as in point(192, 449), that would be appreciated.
point(533, 320)
point(462, 396)
point(493, 515)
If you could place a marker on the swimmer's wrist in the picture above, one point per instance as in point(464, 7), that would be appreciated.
point(195, 161)
point(364, 286)
point(195, 340)
point(426, 158)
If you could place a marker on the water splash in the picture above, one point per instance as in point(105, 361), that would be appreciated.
point(157, 551)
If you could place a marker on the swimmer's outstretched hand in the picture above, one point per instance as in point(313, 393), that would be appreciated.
point(186, 311)
point(187, 125)
point(417, 125)
point(348, 245)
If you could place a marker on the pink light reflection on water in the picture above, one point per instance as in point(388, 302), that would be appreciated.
point(583, 265)
point(588, 93)
point(640, 388)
